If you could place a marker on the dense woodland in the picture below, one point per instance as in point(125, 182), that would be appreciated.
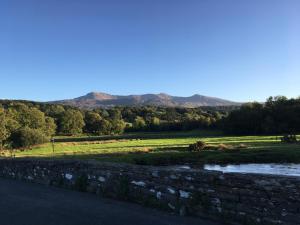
point(278, 115)
point(24, 123)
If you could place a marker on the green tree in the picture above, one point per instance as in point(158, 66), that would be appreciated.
point(171, 114)
point(3, 131)
point(106, 127)
point(115, 114)
point(155, 121)
point(71, 122)
point(12, 122)
point(49, 127)
point(92, 123)
point(53, 110)
point(29, 116)
point(139, 123)
point(26, 137)
point(118, 126)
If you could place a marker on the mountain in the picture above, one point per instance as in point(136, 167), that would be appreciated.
point(98, 99)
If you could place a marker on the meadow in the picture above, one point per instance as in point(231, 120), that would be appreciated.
point(165, 148)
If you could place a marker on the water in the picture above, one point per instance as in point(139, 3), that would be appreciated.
point(269, 168)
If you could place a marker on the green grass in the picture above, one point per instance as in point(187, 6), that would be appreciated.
point(169, 148)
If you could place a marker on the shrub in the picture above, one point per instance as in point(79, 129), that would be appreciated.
point(198, 146)
point(26, 137)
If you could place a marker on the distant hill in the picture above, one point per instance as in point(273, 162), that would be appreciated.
point(98, 99)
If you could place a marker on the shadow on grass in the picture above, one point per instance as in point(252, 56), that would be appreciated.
point(166, 155)
point(171, 156)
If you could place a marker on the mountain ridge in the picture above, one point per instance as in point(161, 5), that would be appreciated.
point(101, 99)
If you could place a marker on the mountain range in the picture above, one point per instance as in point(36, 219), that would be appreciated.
point(99, 99)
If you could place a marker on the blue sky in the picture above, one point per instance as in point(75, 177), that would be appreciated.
point(234, 49)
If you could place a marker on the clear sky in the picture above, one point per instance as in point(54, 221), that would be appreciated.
point(234, 49)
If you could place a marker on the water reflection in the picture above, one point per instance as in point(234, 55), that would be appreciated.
point(270, 168)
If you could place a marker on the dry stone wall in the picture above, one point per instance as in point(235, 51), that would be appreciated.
point(231, 198)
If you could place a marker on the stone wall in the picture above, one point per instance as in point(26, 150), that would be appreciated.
point(231, 198)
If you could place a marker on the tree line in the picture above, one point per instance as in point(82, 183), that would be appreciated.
point(278, 115)
point(24, 123)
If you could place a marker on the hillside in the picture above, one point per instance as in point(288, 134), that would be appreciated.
point(98, 99)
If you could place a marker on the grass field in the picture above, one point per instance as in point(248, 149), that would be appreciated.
point(167, 148)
